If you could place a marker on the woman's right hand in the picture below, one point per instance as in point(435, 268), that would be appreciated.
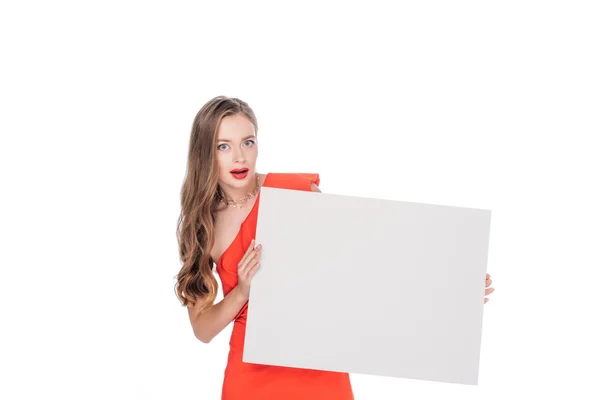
point(247, 268)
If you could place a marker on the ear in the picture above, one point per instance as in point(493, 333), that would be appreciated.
point(314, 187)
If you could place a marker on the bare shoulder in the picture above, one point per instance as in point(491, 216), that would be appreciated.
point(262, 178)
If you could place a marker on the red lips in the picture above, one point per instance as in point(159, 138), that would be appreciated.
point(240, 173)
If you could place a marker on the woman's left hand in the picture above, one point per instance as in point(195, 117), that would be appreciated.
point(488, 282)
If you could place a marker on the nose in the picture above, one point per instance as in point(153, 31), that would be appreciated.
point(238, 155)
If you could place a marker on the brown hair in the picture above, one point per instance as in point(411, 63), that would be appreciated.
point(199, 201)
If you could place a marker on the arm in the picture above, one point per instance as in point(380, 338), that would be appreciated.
point(210, 322)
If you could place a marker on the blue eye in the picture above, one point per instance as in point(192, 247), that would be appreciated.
point(225, 144)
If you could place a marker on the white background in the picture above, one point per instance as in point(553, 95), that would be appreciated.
point(464, 103)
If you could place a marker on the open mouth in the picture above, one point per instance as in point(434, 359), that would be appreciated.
point(239, 171)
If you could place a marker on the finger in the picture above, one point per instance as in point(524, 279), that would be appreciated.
point(249, 269)
point(488, 282)
point(487, 276)
point(253, 270)
point(488, 291)
point(243, 267)
point(485, 300)
point(248, 251)
point(252, 258)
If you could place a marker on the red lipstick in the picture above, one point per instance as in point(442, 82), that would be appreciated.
point(239, 173)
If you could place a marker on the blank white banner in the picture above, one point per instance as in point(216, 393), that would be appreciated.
point(368, 286)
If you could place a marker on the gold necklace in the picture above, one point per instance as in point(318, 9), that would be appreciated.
point(235, 203)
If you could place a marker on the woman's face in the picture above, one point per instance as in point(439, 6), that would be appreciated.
point(236, 150)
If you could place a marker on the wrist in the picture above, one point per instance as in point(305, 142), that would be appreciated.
point(240, 295)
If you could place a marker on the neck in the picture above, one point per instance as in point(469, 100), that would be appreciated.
point(235, 194)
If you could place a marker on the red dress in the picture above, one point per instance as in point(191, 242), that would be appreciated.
point(246, 381)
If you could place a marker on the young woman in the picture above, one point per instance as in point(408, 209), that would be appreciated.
point(219, 206)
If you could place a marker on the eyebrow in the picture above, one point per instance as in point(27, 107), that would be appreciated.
point(227, 140)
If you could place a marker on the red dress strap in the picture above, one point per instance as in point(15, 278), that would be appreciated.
point(296, 181)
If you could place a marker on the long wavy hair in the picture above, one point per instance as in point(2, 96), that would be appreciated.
point(199, 201)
